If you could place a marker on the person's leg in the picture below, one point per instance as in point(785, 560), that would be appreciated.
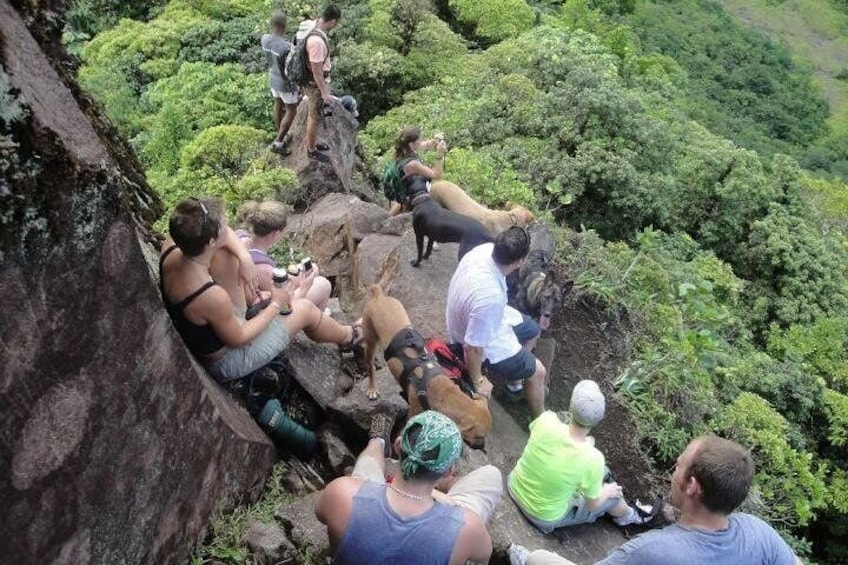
point(286, 122)
point(314, 97)
point(527, 332)
point(371, 465)
point(319, 292)
point(278, 113)
point(479, 491)
point(318, 327)
point(534, 390)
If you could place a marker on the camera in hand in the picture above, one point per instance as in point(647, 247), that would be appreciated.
point(306, 264)
point(279, 276)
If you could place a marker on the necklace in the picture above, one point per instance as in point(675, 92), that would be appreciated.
point(201, 263)
point(406, 494)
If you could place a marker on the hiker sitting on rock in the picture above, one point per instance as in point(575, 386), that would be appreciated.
point(407, 520)
point(286, 93)
point(559, 479)
point(205, 273)
point(711, 479)
point(409, 165)
point(266, 221)
point(494, 335)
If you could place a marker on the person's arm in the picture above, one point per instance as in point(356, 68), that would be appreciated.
point(474, 362)
point(609, 490)
point(266, 276)
point(416, 167)
point(247, 270)
point(218, 311)
point(474, 543)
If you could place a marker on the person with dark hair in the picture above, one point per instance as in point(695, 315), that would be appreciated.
point(286, 93)
point(559, 479)
point(710, 480)
point(495, 336)
point(411, 166)
point(318, 90)
point(206, 275)
point(406, 520)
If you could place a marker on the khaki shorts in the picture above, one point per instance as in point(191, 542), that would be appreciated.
point(315, 102)
point(240, 362)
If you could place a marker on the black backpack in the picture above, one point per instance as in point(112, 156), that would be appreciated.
point(297, 68)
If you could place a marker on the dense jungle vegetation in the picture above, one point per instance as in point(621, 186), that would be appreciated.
point(691, 156)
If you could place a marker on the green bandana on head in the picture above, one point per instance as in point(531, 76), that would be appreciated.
point(437, 432)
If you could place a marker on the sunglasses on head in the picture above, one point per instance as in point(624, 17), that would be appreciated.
point(205, 213)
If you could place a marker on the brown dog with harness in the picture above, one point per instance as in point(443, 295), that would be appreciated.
point(424, 385)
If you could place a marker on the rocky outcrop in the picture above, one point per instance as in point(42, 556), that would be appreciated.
point(116, 447)
point(344, 169)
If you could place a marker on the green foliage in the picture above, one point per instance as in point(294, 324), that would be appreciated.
point(488, 178)
point(797, 273)
point(232, 41)
point(820, 346)
point(492, 21)
point(741, 84)
point(376, 74)
point(836, 409)
point(226, 537)
point(90, 17)
point(199, 96)
point(792, 486)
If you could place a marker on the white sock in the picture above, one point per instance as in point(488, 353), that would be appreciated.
point(632, 517)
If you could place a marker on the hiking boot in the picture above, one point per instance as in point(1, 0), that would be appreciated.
point(318, 156)
point(381, 427)
point(280, 148)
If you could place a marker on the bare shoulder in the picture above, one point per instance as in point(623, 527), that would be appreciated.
point(473, 542)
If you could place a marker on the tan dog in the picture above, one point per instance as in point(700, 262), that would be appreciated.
point(383, 319)
point(453, 198)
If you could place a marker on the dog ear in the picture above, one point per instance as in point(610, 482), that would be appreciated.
point(510, 205)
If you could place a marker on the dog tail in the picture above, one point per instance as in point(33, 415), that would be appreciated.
point(374, 291)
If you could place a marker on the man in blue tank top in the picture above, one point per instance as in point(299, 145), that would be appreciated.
point(407, 521)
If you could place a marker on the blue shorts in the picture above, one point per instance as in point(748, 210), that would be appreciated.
point(522, 365)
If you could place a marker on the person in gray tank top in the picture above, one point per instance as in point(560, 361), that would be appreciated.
point(286, 94)
point(711, 479)
point(407, 521)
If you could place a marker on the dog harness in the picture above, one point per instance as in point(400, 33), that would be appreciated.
point(409, 338)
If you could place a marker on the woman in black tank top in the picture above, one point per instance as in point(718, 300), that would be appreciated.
point(206, 279)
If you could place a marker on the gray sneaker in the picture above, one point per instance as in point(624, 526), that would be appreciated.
point(381, 427)
point(517, 554)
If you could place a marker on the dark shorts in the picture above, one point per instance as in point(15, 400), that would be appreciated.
point(522, 365)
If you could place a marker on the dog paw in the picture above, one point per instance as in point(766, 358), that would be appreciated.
point(373, 393)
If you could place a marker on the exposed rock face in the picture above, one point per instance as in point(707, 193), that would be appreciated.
point(116, 446)
point(343, 171)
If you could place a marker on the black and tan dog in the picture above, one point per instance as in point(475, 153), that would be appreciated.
point(431, 220)
point(533, 288)
point(386, 323)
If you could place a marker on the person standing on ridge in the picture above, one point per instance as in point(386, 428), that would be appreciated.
point(286, 93)
point(317, 90)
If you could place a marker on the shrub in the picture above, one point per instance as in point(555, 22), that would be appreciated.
point(494, 20)
point(791, 483)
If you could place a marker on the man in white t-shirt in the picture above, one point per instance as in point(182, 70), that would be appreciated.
point(494, 335)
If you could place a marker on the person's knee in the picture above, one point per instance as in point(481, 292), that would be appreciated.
point(539, 375)
point(491, 476)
